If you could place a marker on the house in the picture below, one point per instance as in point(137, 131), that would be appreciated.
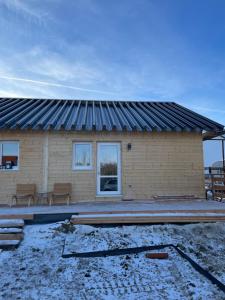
point(108, 150)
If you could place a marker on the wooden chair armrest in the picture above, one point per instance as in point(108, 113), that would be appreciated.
point(14, 197)
point(52, 195)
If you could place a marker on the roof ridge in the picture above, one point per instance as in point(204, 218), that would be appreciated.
point(86, 100)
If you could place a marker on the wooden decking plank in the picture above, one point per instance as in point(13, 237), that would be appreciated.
point(191, 211)
point(11, 236)
point(152, 216)
point(107, 219)
point(147, 221)
point(7, 244)
point(11, 223)
point(10, 230)
point(17, 216)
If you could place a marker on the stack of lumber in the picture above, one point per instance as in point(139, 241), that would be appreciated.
point(182, 197)
point(17, 216)
point(133, 217)
point(11, 233)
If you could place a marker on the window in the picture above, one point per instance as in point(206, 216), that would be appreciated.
point(82, 156)
point(9, 155)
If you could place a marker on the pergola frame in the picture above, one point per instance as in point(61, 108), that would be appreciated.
point(218, 136)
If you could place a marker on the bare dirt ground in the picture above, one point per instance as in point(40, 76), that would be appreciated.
point(36, 269)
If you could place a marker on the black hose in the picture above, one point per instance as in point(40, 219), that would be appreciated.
point(199, 269)
point(115, 252)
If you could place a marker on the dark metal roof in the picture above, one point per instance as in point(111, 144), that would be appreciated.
point(46, 114)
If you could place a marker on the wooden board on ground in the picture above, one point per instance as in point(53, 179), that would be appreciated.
point(9, 244)
point(17, 216)
point(11, 230)
point(145, 218)
point(11, 236)
point(11, 223)
point(161, 211)
point(157, 255)
point(174, 197)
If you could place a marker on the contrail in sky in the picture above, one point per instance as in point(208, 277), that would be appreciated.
point(55, 84)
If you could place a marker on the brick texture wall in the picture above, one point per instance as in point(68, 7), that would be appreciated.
point(30, 163)
point(157, 164)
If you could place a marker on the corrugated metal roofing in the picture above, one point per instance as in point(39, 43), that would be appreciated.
point(53, 114)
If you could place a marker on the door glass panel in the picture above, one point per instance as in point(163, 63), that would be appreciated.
point(109, 184)
point(108, 160)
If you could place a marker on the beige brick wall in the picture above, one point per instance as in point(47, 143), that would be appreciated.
point(30, 163)
point(157, 164)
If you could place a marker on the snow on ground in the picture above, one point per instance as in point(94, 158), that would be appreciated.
point(36, 269)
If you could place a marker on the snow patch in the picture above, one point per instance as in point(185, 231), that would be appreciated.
point(36, 269)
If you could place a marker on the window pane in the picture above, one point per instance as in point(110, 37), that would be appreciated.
point(82, 155)
point(109, 184)
point(108, 155)
point(10, 152)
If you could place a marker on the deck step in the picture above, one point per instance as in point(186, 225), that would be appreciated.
point(5, 223)
point(17, 216)
point(11, 233)
point(132, 218)
point(9, 244)
point(11, 230)
point(11, 236)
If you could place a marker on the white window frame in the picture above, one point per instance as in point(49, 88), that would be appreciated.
point(74, 167)
point(10, 142)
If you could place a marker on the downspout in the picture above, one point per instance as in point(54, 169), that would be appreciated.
point(45, 163)
point(223, 156)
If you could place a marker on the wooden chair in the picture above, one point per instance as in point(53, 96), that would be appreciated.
point(61, 191)
point(24, 191)
point(218, 187)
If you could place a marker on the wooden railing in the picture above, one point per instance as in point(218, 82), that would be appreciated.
point(215, 182)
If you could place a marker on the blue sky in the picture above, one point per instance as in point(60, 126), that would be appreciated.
point(102, 49)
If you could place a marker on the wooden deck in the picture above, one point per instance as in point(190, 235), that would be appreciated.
point(138, 218)
point(148, 211)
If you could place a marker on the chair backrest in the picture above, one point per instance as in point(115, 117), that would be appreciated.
point(62, 188)
point(23, 189)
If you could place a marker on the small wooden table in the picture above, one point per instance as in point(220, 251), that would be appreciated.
point(43, 198)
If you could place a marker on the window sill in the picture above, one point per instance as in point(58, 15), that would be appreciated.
point(9, 170)
point(81, 170)
point(109, 195)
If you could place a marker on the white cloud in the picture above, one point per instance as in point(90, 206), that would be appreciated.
point(28, 8)
point(53, 84)
point(87, 74)
point(57, 68)
point(45, 74)
point(80, 72)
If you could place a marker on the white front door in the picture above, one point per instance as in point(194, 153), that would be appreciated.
point(108, 169)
